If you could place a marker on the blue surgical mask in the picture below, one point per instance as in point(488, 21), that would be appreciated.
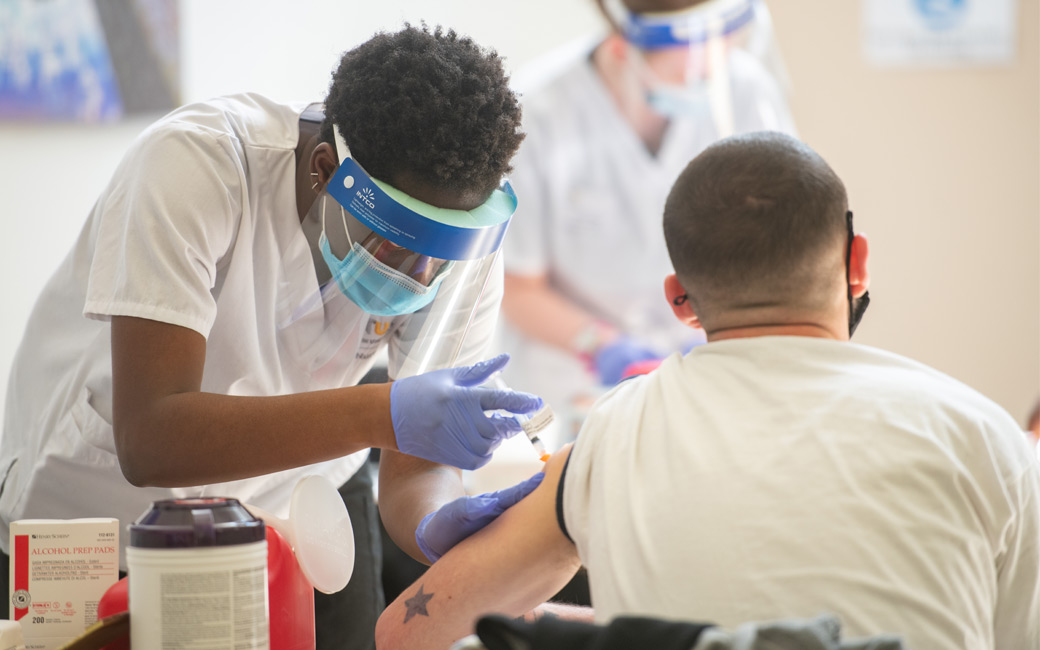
point(375, 287)
point(689, 98)
point(679, 101)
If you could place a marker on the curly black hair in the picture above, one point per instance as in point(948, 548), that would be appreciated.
point(430, 104)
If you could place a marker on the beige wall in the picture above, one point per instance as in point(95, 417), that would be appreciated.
point(943, 172)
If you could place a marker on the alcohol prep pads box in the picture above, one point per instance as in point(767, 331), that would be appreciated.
point(60, 568)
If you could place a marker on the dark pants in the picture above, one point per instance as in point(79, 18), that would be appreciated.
point(399, 569)
point(347, 620)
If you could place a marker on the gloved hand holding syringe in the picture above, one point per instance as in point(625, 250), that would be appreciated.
point(442, 529)
point(533, 425)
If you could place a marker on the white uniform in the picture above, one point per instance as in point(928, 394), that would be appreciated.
point(589, 215)
point(198, 228)
point(781, 477)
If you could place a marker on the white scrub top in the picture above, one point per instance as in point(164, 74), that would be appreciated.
point(591, 199)
point(198, 228)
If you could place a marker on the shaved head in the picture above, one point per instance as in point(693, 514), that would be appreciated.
point(755, 222)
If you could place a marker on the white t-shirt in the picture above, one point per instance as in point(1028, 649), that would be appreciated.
point(780, 477)
point(199, 228)
point(589, 215)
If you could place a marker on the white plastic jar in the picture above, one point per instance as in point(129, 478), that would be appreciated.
point(198, 577)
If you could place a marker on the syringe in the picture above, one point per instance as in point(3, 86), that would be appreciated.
point(532, 424)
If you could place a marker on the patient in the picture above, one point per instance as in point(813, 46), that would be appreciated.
point(777, 471)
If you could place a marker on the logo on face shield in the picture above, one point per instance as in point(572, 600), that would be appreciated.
point(367, 196)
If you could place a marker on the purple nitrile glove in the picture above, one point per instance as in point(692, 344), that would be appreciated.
point(440, 415)
point(612, 359)
point(455, 521)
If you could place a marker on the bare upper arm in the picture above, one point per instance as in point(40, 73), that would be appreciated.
point(518, 290)
point(150, 360)
point(511, 566)
point(518, 282)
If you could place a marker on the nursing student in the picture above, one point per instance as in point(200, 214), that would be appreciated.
point(609, 128)
point(206, 334)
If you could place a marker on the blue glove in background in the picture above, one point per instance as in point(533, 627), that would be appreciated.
point(440, 415)
point(612, 359)
point(455, 521)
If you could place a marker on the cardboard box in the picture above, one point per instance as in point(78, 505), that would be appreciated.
point(60, 568)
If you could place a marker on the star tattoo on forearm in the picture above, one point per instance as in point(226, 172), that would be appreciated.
point(417, 604)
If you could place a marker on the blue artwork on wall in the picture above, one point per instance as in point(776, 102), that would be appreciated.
point(940, 15)
point(87, 60)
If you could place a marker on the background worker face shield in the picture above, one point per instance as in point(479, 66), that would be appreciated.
point(391, 255)
point(687, 59)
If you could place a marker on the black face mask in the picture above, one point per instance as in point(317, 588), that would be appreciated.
point(856, 305)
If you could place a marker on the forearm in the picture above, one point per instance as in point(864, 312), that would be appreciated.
point(409, 489)
point(195, 438)
point(169, 433)
point(509, 567)
point(471, 581)
point(542, 313)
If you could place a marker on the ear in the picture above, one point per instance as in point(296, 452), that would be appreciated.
point(616, 45)
point(859, 276)
point(679, 301)
point(323, 162)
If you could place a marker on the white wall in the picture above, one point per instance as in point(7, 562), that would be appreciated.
point(942, 166)
point(264, 46)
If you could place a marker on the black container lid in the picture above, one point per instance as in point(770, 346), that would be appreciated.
point(189, 523)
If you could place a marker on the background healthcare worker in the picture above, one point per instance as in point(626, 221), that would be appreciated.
point(233, 282)
point(609, 126)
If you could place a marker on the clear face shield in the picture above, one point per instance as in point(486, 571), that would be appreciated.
point(393, 255)
point(688, 59)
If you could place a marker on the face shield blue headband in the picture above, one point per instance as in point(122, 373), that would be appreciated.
point(420, 236)
point(694, 25)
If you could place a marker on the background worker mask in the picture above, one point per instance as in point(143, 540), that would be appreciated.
point(688, 58)
point(420, 273)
